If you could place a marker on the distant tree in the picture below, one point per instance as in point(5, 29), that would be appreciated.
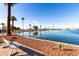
point(18, 28)
point(4, 28)
point(30, 26)
point(13, 19)
point(22, 22)
point(14, 28)
point(23, 25)
point(2, 25)
point(35, 28)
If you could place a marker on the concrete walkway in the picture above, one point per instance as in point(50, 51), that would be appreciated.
point(6, 51)
point(22, 50)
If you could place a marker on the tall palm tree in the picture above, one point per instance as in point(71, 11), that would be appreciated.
point(13, 19)
point(8, 18)
point(23, 25)
point(23, 22)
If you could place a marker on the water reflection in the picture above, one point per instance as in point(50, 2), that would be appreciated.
point(30, 33)
point(65, 36)
point(35, 33)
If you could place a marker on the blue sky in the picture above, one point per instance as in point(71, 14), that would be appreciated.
point(45, 14)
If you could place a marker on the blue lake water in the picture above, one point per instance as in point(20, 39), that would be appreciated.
point(65, 36)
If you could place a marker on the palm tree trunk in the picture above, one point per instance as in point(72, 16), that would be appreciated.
point(8, 20)
point(13, 25)
point(22, 25)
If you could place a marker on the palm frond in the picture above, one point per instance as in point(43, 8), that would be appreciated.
point(13, 18)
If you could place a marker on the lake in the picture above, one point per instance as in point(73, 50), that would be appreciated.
point(65, 36)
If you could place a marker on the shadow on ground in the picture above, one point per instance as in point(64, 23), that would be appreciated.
point(29, 51)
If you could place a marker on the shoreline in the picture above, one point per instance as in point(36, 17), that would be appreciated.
point(53, 41)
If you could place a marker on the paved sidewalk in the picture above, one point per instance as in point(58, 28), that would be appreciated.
point(6, 51)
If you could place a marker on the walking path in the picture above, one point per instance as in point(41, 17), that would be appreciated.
point(6, 51)
point(45, 47)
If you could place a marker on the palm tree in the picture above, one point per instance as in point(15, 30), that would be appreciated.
point(23, 22)
point(8, 18)
point(2, 25)
point(13, 19)
point(30, 26)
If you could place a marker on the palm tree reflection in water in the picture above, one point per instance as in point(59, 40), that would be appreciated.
point(29, 33)
point(35, 34)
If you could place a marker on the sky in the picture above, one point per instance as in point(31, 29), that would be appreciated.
point(59, 15)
